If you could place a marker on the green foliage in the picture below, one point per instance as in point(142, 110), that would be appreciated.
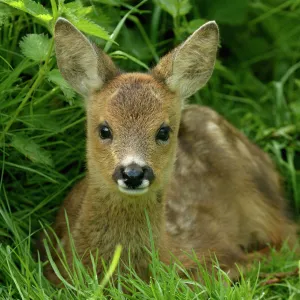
point(31, 150)
point(31, 7)
point(256, 85)
point(55, 77)
point(35, 47)
point(5, 14)
point(227, 11)
point(88, 26)
point(175, 8)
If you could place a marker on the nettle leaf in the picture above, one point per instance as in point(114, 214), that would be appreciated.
point(55, 77)
point(31, 150)
point(31, 7)
point(5, 13)
point(35, 46)
point(175, 7)
point(78, 9)
point(110, 2)
point(88, 26)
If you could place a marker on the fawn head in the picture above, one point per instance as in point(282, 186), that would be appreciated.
point(133, 118)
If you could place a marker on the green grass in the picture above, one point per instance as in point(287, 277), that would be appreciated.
point(256, 86)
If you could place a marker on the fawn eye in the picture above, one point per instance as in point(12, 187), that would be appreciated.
point(163, 134)
point(105, 132)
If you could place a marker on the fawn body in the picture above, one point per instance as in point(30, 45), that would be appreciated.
point(204, 186)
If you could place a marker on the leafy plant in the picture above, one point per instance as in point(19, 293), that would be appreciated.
point(255, 85)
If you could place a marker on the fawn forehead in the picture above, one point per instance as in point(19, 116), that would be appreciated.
point(134, 100)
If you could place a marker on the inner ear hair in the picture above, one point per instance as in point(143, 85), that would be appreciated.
point(189, 66)
point(84, 66)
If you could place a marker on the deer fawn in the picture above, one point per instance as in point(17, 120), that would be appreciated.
point(205, 187)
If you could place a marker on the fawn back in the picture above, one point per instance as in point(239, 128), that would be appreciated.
point(204, 186)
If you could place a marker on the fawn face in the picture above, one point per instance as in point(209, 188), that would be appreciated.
point(133, 119)
point(132, 128)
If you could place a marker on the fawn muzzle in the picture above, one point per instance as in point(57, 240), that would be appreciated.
point(133, 179)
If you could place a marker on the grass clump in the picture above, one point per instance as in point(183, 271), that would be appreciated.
point(255, 85)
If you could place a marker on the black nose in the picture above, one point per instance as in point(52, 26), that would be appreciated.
point(133, 175)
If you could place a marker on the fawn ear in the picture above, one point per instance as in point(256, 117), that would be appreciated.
point(81, 63)
point(189, 66)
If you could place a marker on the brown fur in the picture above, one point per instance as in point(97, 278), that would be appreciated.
point(214, 191)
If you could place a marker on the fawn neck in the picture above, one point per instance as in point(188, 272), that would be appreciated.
point(122, 219)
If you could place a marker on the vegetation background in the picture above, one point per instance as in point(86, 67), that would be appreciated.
point(256, 86)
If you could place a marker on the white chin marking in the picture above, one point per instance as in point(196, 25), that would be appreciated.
point(145, 184)
point(122, 184)
point(133, 192)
